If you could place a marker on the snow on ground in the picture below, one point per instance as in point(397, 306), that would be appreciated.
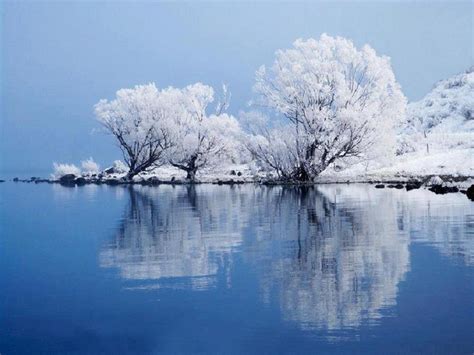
point(458, 162)
point(225, 172)
point(455, 163)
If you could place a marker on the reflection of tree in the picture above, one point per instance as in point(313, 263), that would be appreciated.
point(334, 263)
point(176, 232)
point(331, 256)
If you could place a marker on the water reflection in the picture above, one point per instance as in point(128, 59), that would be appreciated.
point(444, 222)
point(333, 263)
point(177, 232)
point(330, 257)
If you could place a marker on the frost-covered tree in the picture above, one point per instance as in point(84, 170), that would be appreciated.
point(137, 119)
point(199, 137)
point(339, 102)
point(89, 167)
point(273, 147)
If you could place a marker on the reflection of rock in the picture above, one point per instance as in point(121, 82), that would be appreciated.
point(334, 262)
point(181, 231)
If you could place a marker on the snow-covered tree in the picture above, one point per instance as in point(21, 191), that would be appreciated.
point(273, 147)
point(89, 166)
point(119, 167)
point(199, 138)
point(339, 102)
point(137, 119)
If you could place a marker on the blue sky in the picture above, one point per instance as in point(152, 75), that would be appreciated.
point(59, 58)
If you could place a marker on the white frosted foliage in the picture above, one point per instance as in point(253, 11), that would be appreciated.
point(339, 102)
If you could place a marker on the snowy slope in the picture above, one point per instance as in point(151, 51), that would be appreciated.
point(443, 119)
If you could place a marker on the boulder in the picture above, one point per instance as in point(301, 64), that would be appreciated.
point(153, 181)
point(38, 180)
point(413, 186)
point(113, 181)
point(399, 186)
point(80, 181)
point(67, 179)
point(441, 190)
point(380, 186)
point(16, 179)
point(470, 193)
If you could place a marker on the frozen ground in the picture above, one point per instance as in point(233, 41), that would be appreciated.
point(457, 164)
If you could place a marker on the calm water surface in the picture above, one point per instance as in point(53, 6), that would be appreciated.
point(244, 269)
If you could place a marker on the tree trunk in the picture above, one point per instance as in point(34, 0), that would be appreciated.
point(191, 174)
point(130, 174)
point(191, 169)
point(301, 174)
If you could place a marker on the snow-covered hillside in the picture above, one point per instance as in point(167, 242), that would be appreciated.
point(443, 119)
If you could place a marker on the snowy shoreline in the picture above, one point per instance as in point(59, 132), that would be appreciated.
point(439, 184)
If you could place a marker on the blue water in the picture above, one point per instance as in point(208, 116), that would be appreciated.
point(244, 269)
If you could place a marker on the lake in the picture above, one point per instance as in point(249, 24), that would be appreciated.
point(235, 269)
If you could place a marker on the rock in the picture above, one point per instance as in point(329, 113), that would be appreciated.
point(413, 186)
point(80, 181)
point(112, 181)
point(153, 181)
point(67, 179)
point(239, 173)
point(441, 190)
point(38, 180)
point(470, 193)
point(399, 186)
point(232, 172)
point(16, 179)
point(391, 186)
point(2, 180)
point(109, 171)
point(380, 186)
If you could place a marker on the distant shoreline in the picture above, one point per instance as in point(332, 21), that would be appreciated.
point(437, 184)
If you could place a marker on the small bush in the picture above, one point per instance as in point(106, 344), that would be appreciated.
point(64, 169)
point(89, 166)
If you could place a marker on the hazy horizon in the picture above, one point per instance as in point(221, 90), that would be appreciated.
point(59, 59)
